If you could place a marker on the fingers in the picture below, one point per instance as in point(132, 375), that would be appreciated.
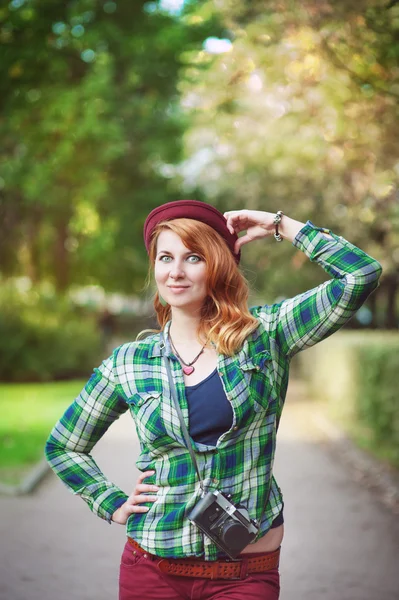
point(133, 503)
point(140, 494)
point(235, 213)
point(144, 498)
point(255, 225)
point(244, 239)
point(144, 487)
point(138, 497)
point(134, 508)
point(143, 475)
point(236, 221)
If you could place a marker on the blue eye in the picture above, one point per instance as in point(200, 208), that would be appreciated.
point(194, 258)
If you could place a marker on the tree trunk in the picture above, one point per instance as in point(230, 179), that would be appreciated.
point(33, 266)
point(61, 255)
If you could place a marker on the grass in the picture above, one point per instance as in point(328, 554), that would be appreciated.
point(28, 413)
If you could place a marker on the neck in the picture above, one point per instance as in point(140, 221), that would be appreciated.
point(184, 327)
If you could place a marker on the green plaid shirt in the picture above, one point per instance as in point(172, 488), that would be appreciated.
point(255, 382)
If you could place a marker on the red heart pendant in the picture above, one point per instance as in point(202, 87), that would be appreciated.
point(188, 370)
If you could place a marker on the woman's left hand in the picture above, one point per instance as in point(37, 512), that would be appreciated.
point(257, 224)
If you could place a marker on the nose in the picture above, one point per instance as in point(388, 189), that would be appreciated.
point(176, 270)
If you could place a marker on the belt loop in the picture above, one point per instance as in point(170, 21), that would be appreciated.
point(162, 565)
point(244, 568)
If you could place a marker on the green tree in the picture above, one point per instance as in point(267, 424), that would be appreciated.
point(89, 115)
point(302, 115)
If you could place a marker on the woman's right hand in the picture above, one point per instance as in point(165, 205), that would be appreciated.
point(132, 504)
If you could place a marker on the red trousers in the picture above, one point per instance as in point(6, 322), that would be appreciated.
point(140, 578)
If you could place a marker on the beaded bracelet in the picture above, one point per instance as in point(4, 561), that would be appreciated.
point(277, 221)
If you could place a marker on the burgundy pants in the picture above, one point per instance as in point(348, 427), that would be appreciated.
point(140, 578)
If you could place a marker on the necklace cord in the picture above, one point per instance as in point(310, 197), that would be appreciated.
point(181, 359)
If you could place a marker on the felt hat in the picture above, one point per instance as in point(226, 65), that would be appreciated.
point(190, 209)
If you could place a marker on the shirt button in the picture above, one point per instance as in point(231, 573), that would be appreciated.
point(257, 367)
point(214, 480)
point(220, 373)
point(235, 428)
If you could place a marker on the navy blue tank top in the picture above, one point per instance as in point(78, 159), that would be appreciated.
point(211, 415)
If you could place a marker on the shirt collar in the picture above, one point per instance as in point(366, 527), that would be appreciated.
point(246, 361)
point(162, 343)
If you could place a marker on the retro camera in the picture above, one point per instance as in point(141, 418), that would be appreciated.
point(228, 526)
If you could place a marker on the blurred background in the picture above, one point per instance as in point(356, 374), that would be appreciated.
point(110, 108)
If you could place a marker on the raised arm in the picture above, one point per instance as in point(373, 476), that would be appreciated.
point(310, 317)
point(79, 429)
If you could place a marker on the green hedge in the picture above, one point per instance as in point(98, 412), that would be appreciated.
point(44, 337)
point(355, 375)
point(378, 396)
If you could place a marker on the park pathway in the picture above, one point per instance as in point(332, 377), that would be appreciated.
point(341, 543)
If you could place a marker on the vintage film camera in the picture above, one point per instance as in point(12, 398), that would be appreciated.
point(228, 526)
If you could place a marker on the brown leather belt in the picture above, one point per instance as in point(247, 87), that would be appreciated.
point(218, 569)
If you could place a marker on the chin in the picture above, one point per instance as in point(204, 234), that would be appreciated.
point(193, 306)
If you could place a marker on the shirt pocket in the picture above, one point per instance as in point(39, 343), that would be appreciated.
point(258, 372)
point(146, 410)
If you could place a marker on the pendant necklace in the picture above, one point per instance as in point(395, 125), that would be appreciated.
point(188, 368)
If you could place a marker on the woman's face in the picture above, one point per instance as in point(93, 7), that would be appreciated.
point(180, 274)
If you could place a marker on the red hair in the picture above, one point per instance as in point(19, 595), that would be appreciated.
point(225, 317)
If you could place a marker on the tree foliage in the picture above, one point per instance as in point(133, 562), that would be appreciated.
point(109, 108)
point(89, 113)
point(302, 115)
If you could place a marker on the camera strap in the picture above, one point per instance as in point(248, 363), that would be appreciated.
point(180, 415)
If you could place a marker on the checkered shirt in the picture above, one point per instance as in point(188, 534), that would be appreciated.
point(255, 381)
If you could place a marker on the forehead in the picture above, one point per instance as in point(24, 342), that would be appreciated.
point(169, 240)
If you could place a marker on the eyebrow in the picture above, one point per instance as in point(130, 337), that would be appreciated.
point(168, 252)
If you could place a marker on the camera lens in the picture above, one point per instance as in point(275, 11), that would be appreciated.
point(235, 535)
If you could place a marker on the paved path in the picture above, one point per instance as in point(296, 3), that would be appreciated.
point(340, 544)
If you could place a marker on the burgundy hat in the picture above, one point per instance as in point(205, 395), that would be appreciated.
point(190, 209)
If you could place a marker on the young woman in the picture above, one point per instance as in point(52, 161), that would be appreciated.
point(229, 370)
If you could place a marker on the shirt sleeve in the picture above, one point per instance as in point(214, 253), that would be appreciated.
point(308, 318)
point(75, 434)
